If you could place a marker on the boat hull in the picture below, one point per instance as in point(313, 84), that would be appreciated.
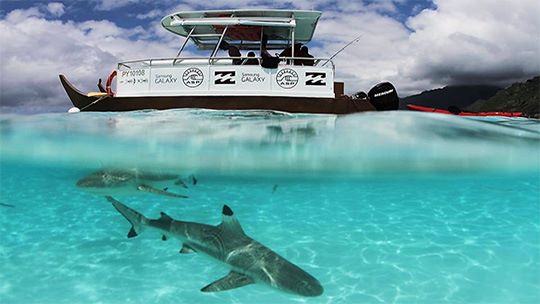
point(340, 105)
point(441, 111)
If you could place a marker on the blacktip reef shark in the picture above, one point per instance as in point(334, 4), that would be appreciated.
point(250, 261)
point(109, 181)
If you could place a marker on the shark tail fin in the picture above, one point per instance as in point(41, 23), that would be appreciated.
point(137, 220)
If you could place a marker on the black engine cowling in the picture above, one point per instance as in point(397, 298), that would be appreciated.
point(384, 97)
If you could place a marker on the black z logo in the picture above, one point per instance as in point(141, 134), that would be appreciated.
point(315, 79)
point(224, 77)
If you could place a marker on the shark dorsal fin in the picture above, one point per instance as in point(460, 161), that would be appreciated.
point(229, 221)
point(165, 217)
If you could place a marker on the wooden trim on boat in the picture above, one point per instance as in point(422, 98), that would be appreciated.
point(340, 105)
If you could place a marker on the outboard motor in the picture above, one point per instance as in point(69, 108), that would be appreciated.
point(384, 97)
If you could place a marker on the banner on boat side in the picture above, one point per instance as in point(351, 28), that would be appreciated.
point(303, 81)
point(132, 81)
point(241, 80)
point(287, 78)
point(253, 77)
point(224, 77)
point(133, 77)
point(315, 79)
point(192, 77)
point(225, 80)
point(165, 78)
point(185, 79)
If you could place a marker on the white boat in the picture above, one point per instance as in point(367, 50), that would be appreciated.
point(291, 81)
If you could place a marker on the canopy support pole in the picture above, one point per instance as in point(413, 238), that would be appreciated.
point(292, 45)
point(185, 41)
point(219, 42)
point(260, 45)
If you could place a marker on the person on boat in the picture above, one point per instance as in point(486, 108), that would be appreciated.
point(304, 53)
point(100, 87)
point(251, 60)
point(233, 52)
point(268, 61)
point(288, 52)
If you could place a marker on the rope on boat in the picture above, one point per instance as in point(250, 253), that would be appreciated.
point(94, 102)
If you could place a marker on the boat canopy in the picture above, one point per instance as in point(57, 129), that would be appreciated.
point(244, 28)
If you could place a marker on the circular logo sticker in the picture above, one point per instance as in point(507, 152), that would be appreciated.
point(287, 78)
point(193, 77)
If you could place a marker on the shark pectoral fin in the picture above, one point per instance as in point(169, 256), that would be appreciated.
point(150, 189)
point(186, 249)
point(230, 281)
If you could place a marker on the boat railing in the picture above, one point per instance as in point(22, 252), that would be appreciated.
point(174, 61)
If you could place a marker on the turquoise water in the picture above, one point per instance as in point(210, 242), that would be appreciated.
point(394, 207)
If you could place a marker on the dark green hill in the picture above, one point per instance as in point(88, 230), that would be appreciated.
point(521, 97)
point(459, 96)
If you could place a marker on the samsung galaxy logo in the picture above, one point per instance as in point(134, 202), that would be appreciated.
point(252, 77)
point(165, 79)
point(384, 93)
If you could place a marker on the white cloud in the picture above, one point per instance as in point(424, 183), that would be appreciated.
point(107, 5)
point(373, 59)
point(481, 41)
point(151, 14)
point(40, 49)
point(56, 9)
point(383, 6)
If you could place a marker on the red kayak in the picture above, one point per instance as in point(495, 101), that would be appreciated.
point(456, 111)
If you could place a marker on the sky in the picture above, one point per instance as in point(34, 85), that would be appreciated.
point(415, 44)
